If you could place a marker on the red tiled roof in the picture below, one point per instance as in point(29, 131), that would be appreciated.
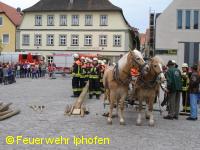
point(11, 13)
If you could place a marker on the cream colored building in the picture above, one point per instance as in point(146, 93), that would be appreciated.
point(178, 32)
point(75, 26)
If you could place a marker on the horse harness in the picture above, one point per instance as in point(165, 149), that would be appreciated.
point(148, 84)
point(116, 76)
point(128, 80)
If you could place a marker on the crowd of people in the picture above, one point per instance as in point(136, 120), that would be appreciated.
point(185, 82)
point(87, 69)
point(10, 71)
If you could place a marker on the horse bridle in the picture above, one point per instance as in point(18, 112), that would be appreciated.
point(151, 83)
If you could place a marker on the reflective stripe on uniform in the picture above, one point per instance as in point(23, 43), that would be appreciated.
point(93, 76)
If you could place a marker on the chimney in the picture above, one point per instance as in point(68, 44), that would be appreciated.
point(18, 9)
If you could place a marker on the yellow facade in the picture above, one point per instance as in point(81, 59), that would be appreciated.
point(9, 28)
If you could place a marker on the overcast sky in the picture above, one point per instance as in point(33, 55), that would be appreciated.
point(135, 11)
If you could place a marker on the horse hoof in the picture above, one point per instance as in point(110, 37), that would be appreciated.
point(139, 123)
point(122, 123)
point(151, 123)
point(109, 121)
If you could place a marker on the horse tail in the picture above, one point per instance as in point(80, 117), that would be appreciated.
point(105, 80)
point(106, 86)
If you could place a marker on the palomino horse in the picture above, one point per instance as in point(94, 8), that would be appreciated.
point(147, 88)
point(116, 81)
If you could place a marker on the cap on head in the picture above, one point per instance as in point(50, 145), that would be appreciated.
point(95, 59)
point(174, 61)
point(184, 65)
point(170, 63)
point(76, 55)
point(82, 58)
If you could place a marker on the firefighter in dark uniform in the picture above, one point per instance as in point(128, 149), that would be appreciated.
point(94, 80)
point(185, 88)
point(83, 73)
point(76, 69)
point(88, 66)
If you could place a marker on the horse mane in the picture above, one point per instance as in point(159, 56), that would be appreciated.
point(122, 62)
point(158, 59)
point(137, 52)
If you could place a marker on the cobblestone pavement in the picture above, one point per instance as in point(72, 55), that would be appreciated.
point(55, 94)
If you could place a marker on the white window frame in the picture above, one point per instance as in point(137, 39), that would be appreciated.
point(88, 20)
point(1, 20)
point(50, 40)
point(88, 40)
point(75, 20)
point(3, 38)
point(62, 38)
point(23, 39)
point(117, 40)
point(74, 37)
point(50, 20)
point(38, 20)
point(103, 40)
point(63, 20)
point(103, 20)
point(38, 39)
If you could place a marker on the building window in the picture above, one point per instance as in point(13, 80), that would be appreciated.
point(50, 40)
point(117, 40)
point(38, 39)
point(88, 40)
point(187, 19)
point(63, 20)
point(191, 53)
point(180, 19)
point(1, 21)
point(38, 20)
point(75, 20)
point(103, 40)
point(103, 20)
point(88, 20)
point(5, 38)
point(25, 39)
point(50, 59)
point(196, 19)
point(75, 40)
point(63, 40)
point(50, 20)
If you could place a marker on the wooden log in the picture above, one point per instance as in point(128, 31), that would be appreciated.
point(5, 112)
point(81, 98)
point(5, 107)
point(13, 113)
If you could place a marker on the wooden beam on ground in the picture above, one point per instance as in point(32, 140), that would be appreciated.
point(5, 107)
point(5, 112)
point(13, 113)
